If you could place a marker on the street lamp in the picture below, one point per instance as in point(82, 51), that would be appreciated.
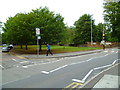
point(91, 31)
point(0, 27)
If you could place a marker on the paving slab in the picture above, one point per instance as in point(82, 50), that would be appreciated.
point(108, 81)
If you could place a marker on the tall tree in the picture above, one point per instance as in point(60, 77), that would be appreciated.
point(112, 18)
point(20, 29)
point(98, 32)
point(83, 29)
point(17, 29)
point(69, 34)
point(51, 24)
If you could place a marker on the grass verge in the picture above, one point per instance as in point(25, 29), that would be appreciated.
point(32, 49)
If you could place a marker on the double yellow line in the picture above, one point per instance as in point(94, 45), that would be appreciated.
point(73, 85)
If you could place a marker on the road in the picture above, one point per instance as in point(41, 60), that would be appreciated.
point(67, 72)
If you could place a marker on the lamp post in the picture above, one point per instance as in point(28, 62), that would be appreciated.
point(0, 27)
point(38, 37)
point(91, 31)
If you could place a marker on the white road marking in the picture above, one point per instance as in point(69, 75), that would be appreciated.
point(117, 52)
point(15, 65)
point(89, 59)
point(114, 62)
point(77, 63)
point(25, 66)
point(15, 60)
point(58, 68)
point(16, 80)
point(1, 66)
point(105, 51)
point(102, 67)
point(106, 54)
point(87, 75)
point(24, 62)
point(112, 51)
point(76, 80)
point(45, 72)
point(63, 59)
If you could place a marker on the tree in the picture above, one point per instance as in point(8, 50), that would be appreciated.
point(20, 29)
point(51, 24)
point(0, 32)
point(98, 32)
point(83, 29)
point(112, 18)
point(68, 36)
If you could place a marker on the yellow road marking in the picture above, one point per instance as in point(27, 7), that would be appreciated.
point(20, 57)
point(73, 85)
point(77, 84)
point(17, 55)
point(70, 85)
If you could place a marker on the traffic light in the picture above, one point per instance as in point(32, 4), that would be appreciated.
point(103, 36)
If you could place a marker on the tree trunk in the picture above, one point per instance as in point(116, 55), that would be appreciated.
point(26, 47)
point(21, 46)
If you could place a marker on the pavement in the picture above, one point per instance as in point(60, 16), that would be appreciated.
point(60, 55)
point(108, 78)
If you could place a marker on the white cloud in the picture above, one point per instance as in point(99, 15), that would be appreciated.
point(71, 10)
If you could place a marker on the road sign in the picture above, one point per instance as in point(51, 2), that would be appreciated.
point(37, 31)
point(39, 37)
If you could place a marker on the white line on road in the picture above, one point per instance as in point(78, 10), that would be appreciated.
point(105, 51)
point(25, 66)
point(24, 62)
point(15, 80)
point(1, 66)
point(102, 67)
point(88, 60)
point(15, 60)
point(66, 58)
point(48, 72)
point(76, 80)
point(87, 75)
point(112, 51)
point(45, 72)
point(58, 68)
point(77, 63)
point(117, 52)
point(114, 62)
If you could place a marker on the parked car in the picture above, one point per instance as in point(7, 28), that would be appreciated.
point(5, 49)
point(10, 46)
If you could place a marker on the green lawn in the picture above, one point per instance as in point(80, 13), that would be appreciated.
point(32, 49)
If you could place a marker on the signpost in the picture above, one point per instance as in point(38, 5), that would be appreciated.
point(38, 37)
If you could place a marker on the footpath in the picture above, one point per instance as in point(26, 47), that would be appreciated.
point(61, 55)
point(108, 79)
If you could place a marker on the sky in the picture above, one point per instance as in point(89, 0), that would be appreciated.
point(71, 10)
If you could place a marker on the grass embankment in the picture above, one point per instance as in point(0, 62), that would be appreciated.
point(32, 49)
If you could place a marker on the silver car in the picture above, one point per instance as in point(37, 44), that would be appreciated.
point(5, 49)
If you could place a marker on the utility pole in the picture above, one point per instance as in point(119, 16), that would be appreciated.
point(103, 38)
point(91, 31)
point(38, 37)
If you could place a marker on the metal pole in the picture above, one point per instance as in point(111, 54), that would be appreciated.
point(91, 32)
point(37, 46)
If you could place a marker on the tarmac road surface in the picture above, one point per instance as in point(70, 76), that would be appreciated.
point(67, 72)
